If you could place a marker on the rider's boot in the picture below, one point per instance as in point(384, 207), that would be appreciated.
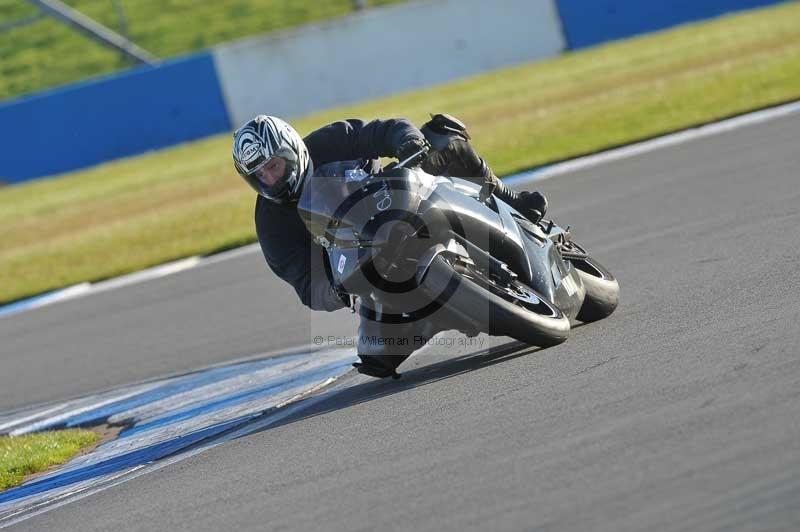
point(452, 154)
point(383, 346)
point(532, 205)
point(380, 366)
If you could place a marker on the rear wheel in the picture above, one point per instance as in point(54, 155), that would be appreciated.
point(602, 289)
point(500, 308)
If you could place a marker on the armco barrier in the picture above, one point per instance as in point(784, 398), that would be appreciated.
point(382, 51)
point(88, 123)
point(590, 22)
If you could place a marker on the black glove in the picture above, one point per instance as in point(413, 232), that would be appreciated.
point(411, 147)
point(533, 205)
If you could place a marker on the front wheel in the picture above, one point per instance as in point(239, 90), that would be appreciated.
point(495, 307)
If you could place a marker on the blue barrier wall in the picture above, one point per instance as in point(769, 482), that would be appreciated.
point(150, 108)
point(590, 22)
point(129, 113)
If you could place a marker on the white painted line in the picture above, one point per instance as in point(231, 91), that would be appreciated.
point(47, 421)
point(230, 254)
point(208, 403)
point(163, 270)
point(45, 299)
point(35, 415)
point(62, 500)
point(146, 275)
point(522, 178)
point(67, 293)
point(639, 148)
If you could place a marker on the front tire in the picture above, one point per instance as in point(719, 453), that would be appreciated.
point(513, 310)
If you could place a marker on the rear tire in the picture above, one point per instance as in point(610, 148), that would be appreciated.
point(602, 290)
point(516, 311)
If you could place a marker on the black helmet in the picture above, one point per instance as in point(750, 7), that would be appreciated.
point(260, 140)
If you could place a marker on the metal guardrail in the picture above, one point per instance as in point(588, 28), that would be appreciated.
point(94, 30)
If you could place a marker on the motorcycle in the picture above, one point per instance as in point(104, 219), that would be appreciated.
point(414, 246)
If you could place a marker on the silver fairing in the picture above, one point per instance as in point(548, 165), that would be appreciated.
point(359, 223)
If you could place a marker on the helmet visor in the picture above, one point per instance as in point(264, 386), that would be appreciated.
point(270, 177)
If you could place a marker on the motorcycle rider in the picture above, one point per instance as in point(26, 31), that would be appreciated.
point(275, 161)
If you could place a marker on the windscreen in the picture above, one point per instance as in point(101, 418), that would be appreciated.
point(325, 198)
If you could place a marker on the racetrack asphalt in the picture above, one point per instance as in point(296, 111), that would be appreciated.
point(679, 412)
point(211, 314)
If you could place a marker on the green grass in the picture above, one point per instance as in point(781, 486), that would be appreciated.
point(25, 455)
point(46, 53)
point(134, 213)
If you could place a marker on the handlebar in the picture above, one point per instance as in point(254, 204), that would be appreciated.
point(412, 157)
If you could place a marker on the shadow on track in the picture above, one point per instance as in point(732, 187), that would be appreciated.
point(414, 378)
